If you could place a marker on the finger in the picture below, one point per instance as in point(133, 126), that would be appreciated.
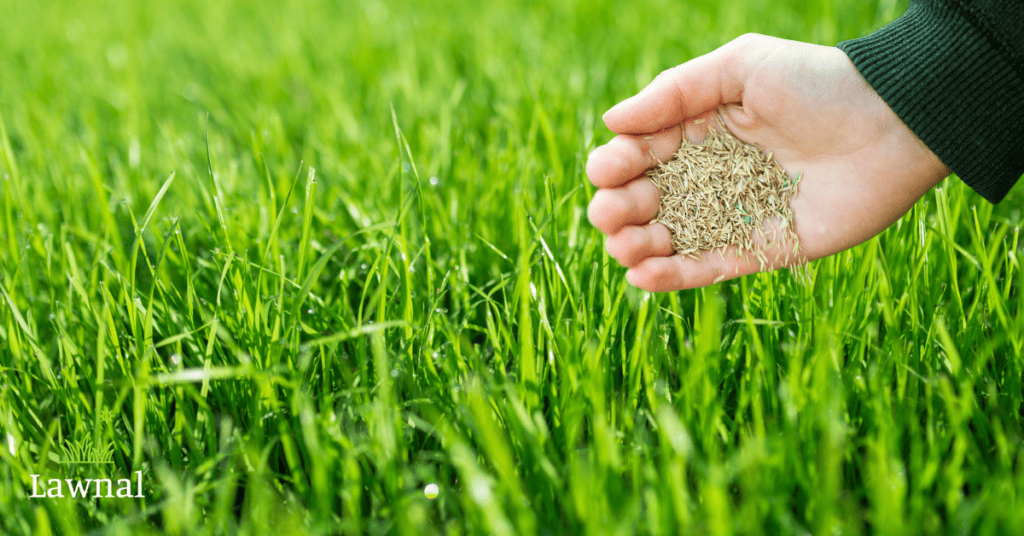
point(696, 128)
point(626, 157)
point(633, 244)
point(636, 203)
point(685, 91)
point(663, 274)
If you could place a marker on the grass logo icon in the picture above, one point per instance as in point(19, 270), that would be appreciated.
point(83, 451)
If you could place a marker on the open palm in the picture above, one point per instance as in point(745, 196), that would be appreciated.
point(861, 167)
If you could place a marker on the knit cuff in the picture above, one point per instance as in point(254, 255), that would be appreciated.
point(952, 87)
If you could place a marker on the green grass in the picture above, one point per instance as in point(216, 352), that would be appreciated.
point(294, 262)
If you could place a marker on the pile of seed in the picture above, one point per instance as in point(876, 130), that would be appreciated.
point(718, 193)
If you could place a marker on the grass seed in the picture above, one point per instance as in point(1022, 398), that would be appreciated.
point(718, 193)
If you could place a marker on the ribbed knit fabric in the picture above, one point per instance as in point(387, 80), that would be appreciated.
point(953, 71)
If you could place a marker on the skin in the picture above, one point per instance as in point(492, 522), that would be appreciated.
point(862, 168)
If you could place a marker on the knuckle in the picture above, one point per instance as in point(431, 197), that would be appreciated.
point(744, 44)
point(748, 38)
point(664, 75)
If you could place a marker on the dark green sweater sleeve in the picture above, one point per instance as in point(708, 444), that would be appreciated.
point(953, 71)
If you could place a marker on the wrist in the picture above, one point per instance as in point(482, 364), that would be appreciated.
point(953, 89)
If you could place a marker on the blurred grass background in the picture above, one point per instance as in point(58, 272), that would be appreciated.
point(371, 270)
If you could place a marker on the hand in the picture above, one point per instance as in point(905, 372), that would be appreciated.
point(862, 168)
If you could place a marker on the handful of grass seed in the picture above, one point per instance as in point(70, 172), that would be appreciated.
point(717, 194)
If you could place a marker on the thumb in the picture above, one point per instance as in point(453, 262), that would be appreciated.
point(685, 91)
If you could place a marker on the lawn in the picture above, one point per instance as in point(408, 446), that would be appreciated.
point(286, 264)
